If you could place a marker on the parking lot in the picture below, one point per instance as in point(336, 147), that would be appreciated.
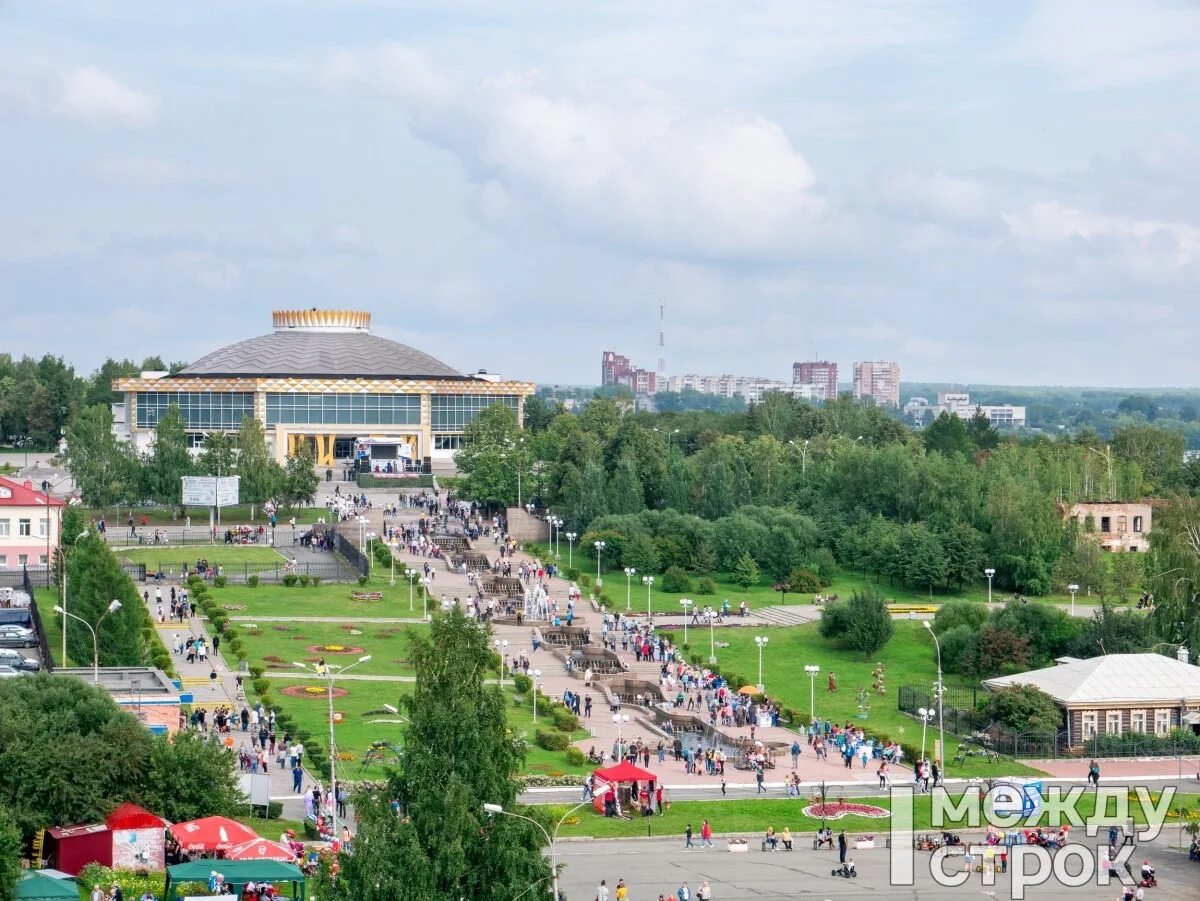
point(18, 641)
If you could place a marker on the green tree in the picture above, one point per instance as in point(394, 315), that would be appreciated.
point(10, 856)
point(677, 488)
point(640, 553)
point(169, 459)
point(260, 478)
point(922, 561)
point(947, 435)
point(953, 614)
point(1157, 452)
point(491, 456)
point(188, 777)
point(593, 498)
point(1024, 708)
point(104, 469)
point(217, 455)
point(1126, 572)
point(717, 491)
point(460, 756)
point(746, 572)
point(300, 476)
point(96, 580)
point(1085, 564)
point(862, 622)
point(963, 548)
point(980, 431)
point(625, 488)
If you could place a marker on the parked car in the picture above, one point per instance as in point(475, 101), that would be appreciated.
point(7, 672)
point(13, 636)
point(15, 659)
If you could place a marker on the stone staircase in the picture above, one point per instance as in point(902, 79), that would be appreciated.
point(796, 615)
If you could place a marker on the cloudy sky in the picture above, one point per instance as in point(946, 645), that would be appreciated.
point(986, 192)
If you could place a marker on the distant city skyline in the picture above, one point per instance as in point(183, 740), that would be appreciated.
point(986, 192)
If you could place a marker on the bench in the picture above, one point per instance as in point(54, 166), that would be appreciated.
point(779, 845)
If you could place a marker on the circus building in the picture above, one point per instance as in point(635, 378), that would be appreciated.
point(321, 377)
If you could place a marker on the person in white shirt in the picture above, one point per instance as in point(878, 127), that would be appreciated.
point(602, 891)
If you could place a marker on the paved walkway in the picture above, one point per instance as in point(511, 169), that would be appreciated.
point(1122, 769)
point(327, 619)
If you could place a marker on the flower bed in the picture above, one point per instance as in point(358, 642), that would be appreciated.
point(835, 810)
point(334, 649)
point(312, 691)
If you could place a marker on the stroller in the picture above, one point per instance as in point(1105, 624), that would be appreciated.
point(846, 871)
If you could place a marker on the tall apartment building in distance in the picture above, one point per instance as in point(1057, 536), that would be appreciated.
point(615, 369)
point(878, 379)
point(817, 372)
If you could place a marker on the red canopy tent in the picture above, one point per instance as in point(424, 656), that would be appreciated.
point(260, 849)
point(211, 834)
point(617, 773)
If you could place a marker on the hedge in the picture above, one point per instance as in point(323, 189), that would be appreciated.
point(552, 739)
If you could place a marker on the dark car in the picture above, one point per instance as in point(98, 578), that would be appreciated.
point(14, 658)
point(7, 672)
point(12, 636)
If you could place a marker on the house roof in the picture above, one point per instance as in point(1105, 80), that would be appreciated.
point(1112, 678)
point(23, 494)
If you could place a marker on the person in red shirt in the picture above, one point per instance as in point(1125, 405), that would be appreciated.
point(706, 835)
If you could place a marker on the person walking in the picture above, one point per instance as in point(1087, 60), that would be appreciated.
point(1094, 774)
point(758, 782)
point(795, 754)
point(842, 844)
point(297, 778)
point(622, 893)
point(684, 893)
point(687, 838)
point(602, 891)
point(706, 835)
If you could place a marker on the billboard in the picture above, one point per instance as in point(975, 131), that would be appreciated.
point(209, 491)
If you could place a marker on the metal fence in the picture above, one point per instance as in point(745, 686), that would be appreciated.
point(346, 548)
point(38, 628)
point(960, 707)
point(330, 570)
point(151, 536)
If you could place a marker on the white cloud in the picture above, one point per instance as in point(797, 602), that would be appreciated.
point(91, 95)
point(622, 163)
point(935, 194)
point(148, 172)
point(1093, 44)
point(1050, 222)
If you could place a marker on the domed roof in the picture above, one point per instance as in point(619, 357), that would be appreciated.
point(305, 353)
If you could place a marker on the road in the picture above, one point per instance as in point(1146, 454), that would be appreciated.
point(651, 867)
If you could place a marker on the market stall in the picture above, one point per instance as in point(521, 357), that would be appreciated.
point(609, 781)
point(211, 834)
point(236, 874)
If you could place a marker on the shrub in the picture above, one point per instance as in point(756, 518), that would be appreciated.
point(304, 580)
point(575, 756)
point(260, 686)
point(804, 581)
point(252, 581)
point(239, 649)
point(522, 683)
point(706, 585)
point(552, 739)
point(363, 580)
point(289, 580)
point(571, 573)
point(676, 581)
point(220, 582)
point(564, 719)
point(231, 633)
point(256, 672)
point(134, 883)
point(315, 581)
point(585, 580)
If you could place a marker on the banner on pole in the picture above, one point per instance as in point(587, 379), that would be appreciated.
point(209, 491)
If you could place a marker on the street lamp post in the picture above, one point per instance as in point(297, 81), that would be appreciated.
point(425, 599)
point(363, 522)
point(392, 545)
point(550, 837)
point(812, 669)
point(926, 714)
point(571, 536)
point(648, 581)
point(537, 675)
point(1073, 588)
point(412, 575)
point(329, 675)
point(989, 572)
point(371, 536)
point(620, 719)
point(629, 574)
point(940, 692)
point(761, 641)
point(112, 608)
point(599, 546)
point(685, 603)
point(712, 638)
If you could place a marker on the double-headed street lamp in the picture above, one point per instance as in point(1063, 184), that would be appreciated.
point(550, 837)
point(329, 674)
point(940, 692)
point(761, 641)
point(393, 545)
point(599, 546)
point(1073, 588)
point(685, 603)
point(363, 522)
point(648, 581)
point(812, 669)
point(712, 638)
point(926, 714)
point(989, 572)
point(371, 536)
point(630, 572)
point(621, 719)
point(425, 583)
point(571, 536)
point(413, 575)
point(557, 523)
point(112, 608)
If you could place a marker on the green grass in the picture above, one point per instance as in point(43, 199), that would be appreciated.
point(387, 645)
point(172, 558)
point(762, 594)
point(51, 622)
point(270, 829)
point(326, 599)
point(752, 816)
point(118, 517)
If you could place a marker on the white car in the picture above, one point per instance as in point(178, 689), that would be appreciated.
point(15, 659)
point(14, 636)
point(7, 672)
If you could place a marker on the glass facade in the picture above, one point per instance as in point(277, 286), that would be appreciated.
point(453, 412)
point(344, 409)
point(208, 410)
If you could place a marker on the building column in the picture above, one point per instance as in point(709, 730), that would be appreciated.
point(424, 447)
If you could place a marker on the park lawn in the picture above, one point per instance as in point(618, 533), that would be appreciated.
point(388, 646)
point(51, 621)
point(172, 558)
point(538, 760)
point(748, 815)
point(239, 514)
point(326, 599)
point(269, 829)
